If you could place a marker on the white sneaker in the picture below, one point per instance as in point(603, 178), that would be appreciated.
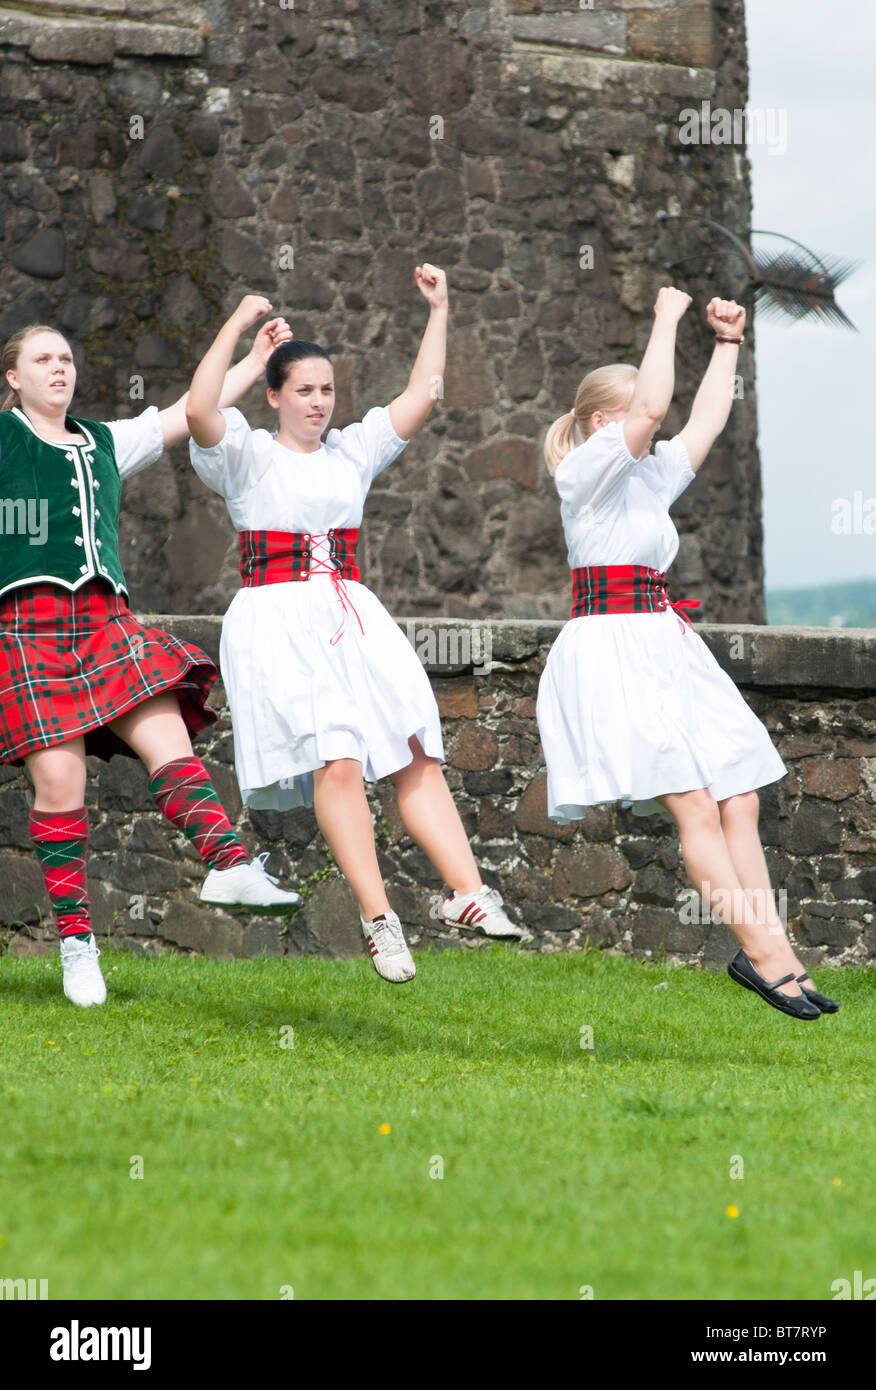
point(83, 982)
point(482, 912)
point(247, 885)
point(389, 950)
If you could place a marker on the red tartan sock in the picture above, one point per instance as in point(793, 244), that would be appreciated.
point(188, 798)
point(60, 839)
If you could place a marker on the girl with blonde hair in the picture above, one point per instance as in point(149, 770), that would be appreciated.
point(632, 706)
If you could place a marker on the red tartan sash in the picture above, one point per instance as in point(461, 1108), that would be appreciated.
point(624, 589)
point(276, 557)
point(279, 557)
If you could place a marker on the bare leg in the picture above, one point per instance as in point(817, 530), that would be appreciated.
point(155, 730)
point(431, 819)
point(707, 860)
point(344, 817)
point(58, 776)
point(739, 818)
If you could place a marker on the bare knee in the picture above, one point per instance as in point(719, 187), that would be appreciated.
point(58, 786)
point(419, 765)
point(743, 809)
point(341, 774)
point(694, 811)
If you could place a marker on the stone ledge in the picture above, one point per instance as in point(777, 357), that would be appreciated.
point(580, 29)
point(595, 74)
point(806, 658)
point(95, 40)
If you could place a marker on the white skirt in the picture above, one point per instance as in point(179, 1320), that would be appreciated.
point(297, 702)
point(632, 706)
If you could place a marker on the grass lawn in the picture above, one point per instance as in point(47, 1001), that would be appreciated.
point(266, 1167)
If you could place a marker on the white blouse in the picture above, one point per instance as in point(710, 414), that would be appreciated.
point(614, 507)
point(268, 487)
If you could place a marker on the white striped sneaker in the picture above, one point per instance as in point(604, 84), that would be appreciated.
point(83, 982)
point(247, 885)
point(482, 912)
point(389, 950)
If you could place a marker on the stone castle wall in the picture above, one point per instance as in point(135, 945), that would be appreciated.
point(160, 159)
point(613, 879)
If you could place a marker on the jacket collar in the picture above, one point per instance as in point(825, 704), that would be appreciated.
point(57, 443)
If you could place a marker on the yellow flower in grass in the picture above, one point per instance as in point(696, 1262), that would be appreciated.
point(385, 1129)
point(732, 1211)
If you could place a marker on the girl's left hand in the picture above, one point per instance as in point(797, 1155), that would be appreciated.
point(725, 317)
point(432, 284)
point(269, 337)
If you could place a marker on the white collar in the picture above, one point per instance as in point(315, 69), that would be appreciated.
point(56, 442)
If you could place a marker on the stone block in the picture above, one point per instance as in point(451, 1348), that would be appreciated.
point(532, 812)
point(816, 827)
point(587, 871)
point(832, 778)
point(332, 918)
point(205, 930)
point(474, 748)
point(23, 896)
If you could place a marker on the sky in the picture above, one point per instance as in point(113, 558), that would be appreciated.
point(816, 383)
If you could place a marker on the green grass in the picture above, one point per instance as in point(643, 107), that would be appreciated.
point(564, 1166)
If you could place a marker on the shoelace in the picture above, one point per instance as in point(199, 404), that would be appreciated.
point(490, 897)
point(389, 937)
point(259, 865)
point(81, 953)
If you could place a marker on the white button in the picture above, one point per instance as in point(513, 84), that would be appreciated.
point(96, 485)
point(97, 513)
point(100, 543)
point(71, 457)
point(83, 569)
point(73, 482)
point(76, 511)
point(79, 540)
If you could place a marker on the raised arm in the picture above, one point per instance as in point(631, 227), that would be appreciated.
point(656, 378)
point(238, 379)
point(215, 384)
point(411, 409)
point(712, 402)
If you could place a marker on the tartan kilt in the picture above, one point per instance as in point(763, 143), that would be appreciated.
point(71, 662)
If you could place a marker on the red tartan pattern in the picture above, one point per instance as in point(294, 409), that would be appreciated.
point(278, 557)
point(623, 589)
point(71, 662)
point(185, 794)
point(60, 839)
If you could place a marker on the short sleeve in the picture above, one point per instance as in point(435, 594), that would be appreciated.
point(371, 444)
point(595, 472)
point(238, 461)
point(138, 441)
point(667, 472)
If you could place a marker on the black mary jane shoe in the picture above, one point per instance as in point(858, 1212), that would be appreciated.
point(743, 972)
point(821, 1001)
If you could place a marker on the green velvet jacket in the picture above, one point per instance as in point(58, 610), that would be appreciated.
point(59, 506)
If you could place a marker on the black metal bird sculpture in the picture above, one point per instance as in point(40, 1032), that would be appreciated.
point(796, 283)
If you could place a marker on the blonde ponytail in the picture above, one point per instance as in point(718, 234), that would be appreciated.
point(607, 388)
point(563, 436)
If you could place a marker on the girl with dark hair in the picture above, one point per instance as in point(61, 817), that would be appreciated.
point(324, 688)
point(78, 674)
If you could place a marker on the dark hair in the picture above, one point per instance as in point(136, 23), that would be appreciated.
point(285, 356)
